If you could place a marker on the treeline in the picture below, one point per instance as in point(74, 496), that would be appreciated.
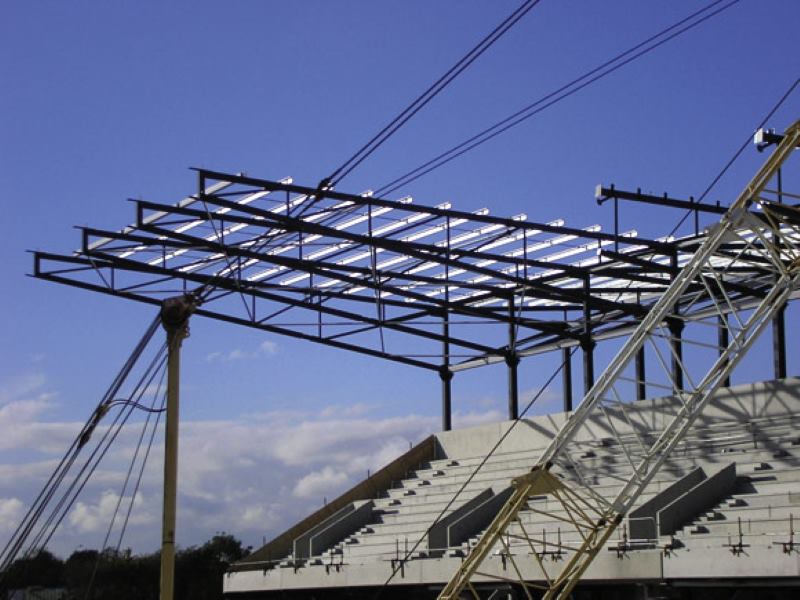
point(111, 575)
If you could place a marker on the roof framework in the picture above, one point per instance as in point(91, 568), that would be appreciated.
point(427, 286)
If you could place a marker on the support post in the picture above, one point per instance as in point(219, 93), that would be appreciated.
point(675, 326)
point(512, 361)
point(446, 375)
point(587, 343)
point(779, 322)
point(175, 313)
point(566, 374)
point(723, 342)
point(641, 382)
point(779, 343)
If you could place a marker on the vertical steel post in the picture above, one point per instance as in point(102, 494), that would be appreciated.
point(175, 314)
point(513, 387)
point(446, 375)
point(587, 343)
point(675, 326)
point(566, 374)
point(588, 364)
point(779, 343)
point(723, 342)
point(779, 322)
point(641, 382)
point(512, 360)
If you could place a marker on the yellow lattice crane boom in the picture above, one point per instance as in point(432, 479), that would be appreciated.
point(757, 229)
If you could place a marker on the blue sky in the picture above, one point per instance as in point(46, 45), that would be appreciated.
point(101, 102)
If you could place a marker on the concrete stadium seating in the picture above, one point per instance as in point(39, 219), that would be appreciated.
point(725, 505)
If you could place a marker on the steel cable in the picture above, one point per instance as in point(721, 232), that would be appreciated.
point(738, 152)
point(554, 97)
point(429, 94)
point(88, 469)
point(38, 506)
point(152, 410)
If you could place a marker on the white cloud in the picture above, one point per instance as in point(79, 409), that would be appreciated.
point(11, 511)
point(252, 475)
point(325, 481)
point(21, 387)
point(87, 517)
point(354, 410)
point(266, 348)
point(23, 400)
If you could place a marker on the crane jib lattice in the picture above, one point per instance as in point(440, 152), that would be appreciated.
point(756, 229)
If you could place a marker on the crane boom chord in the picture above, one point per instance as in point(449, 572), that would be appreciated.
point(558, 487)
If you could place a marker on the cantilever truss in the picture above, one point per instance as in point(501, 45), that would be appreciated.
point(370, 275)
point(756, 229)
point(427, 286)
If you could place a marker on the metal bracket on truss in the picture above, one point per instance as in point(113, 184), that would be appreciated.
point(558, 488)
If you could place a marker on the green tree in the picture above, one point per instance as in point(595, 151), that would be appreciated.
point(42, 569)
point(112, 575)
point(199, 570)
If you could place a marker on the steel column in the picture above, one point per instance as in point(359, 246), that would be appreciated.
point(566, 373)
point(512, 361)
point(723, 342)
point(641, 382)
point(446, 375)
point(779, 343)
point(175, 314)
point(587, 343)
point(675, 326)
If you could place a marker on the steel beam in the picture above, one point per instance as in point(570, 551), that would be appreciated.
point(602, 194)
point(455, 214)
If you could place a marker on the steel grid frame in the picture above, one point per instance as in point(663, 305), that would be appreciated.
point(369, 274)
